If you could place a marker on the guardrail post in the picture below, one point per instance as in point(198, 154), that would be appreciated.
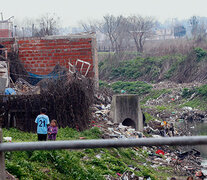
point(2, 160)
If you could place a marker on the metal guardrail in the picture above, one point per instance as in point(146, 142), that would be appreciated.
point(103, 143)
point(98, 143)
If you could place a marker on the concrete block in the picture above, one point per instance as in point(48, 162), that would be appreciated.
point(126, 109)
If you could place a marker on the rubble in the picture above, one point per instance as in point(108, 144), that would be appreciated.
point(22, 87)
point(167, 123)
point(183, 162)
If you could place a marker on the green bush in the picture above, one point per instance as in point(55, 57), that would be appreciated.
point(136, 68)
point(135, 87)
point(103, 84)
point(202, 90)
point(200, 53)
point(148, 117)
point(187, 93)
point(175, 63)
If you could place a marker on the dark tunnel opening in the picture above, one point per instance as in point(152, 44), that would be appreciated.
point(129, 122)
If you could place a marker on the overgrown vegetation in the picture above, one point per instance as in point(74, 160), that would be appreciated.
point(154, 94)
point(200, 53)
point(148, 117)
point(137, 68)
point(177, 67)
point(197, 102)
point(134, 87)
point(199, 99)
point(79, 164)
point(199, 91)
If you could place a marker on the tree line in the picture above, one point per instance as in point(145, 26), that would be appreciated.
point(121, 32)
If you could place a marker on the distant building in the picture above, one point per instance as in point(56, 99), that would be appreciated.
point(6, 27)
point(163, 34)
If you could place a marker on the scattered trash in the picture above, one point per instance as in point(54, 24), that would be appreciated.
point(10, 91)
point(98, 156)
point(22, 87)
point(82, 138)
point(7, 139)
point(160, 152)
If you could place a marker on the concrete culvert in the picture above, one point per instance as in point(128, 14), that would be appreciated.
point(128, 122)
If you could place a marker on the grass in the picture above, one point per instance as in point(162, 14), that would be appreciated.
point(147, 67)
point(198, 103)
point(154, 94)
point(148, 117)
point(161, 108)
point(200, 99)
point(134, 87)
point(63, 134)
point(79, 164)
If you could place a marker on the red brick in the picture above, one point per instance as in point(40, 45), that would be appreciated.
point(47, 58)
point(42, 65)
point(23, 59)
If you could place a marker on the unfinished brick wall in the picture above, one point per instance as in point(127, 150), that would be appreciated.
point(7, 42)
point(5, 33)
point(40, 55)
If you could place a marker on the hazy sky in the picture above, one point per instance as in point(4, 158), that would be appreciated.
point(72, 11)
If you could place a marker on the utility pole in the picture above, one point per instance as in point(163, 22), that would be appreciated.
point(32, 30)
point(15, 30)
point(2, 18)
point(23, 31)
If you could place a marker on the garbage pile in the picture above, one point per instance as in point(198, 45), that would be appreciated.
point(22, 87)
point(128, 175)
point(103, 96)
point(185, 116)
point(111, 130)
point(193, 116)
point(185, 163)
point(173, 85)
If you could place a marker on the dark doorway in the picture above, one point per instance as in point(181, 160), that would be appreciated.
point(129, 122)
point(1, 51)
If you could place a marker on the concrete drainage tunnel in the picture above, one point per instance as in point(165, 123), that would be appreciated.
point(129, 122)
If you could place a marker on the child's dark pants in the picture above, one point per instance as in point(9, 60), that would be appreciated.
point(42, 137)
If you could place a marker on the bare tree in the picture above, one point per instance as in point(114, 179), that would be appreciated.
point(47, 24)
point(194, 25)
point(140, 28)
point(114, 28)
point(90, 26)
point(198, 28)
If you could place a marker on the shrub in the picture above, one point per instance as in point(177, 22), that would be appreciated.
point(187, 93)
point(200, 53)
point(203, 90)
point(104, 84)
point(136, 87)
